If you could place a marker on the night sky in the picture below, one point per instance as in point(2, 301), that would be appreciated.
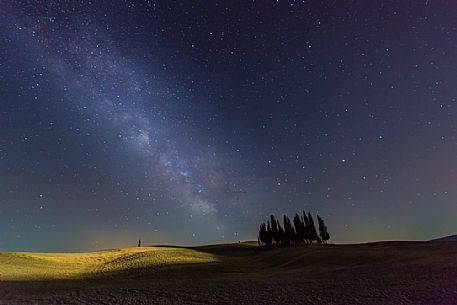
point(185, 122)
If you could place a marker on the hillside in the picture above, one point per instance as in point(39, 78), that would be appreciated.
point(446, 238)
point(375, 273)
point(27, 266)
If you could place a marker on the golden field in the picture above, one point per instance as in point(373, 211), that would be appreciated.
point(376, 273)
point(27, 266)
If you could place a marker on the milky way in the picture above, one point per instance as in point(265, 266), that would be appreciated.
point(188, 123)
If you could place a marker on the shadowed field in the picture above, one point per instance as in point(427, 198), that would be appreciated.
point(375, 273)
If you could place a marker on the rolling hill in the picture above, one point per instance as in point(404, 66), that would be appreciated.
point(374, 273)
point(446, 238)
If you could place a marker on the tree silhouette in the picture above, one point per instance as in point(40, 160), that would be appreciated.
point(289, 230)
point(269, 236)
point(274, 229)
point(302, 230)
point(312, 230)
point(262, 238)
point(265, 234)
point(325, 236)
point(299, 229)
point(307, 229)
point(281, 234)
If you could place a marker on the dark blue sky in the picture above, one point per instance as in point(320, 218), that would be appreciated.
point(187, 123)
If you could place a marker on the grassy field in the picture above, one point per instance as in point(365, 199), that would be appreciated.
point(27, 266)
point(375, 273)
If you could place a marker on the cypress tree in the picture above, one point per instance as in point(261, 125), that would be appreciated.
point(286, 229)
point(313, 231)
point(281, 234)
point(269, 235)
point(307, 229)
point(299, 229)
point(263, 234)
point(274, 229)
point(289, 230)
point(325, 236)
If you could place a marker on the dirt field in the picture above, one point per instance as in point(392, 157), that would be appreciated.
point(376, 273)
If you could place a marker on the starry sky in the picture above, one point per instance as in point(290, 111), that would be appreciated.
point(184, 122)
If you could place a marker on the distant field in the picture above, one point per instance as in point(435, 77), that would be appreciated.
point(376, 273)
point(27, 266)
